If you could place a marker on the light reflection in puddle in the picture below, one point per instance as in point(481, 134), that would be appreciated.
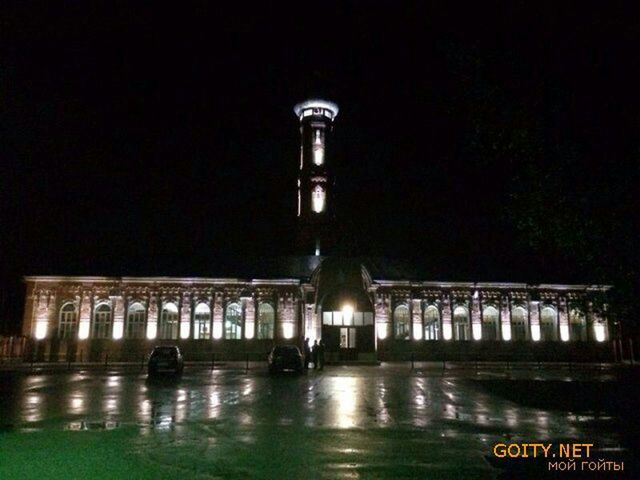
point(34, 407)
point(346, 396)
point(214, 404)
point(110, 404)
point(76, 405)
point(163, 422)
point(113, 381)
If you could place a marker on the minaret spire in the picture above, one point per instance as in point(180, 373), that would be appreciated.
point(315, 184)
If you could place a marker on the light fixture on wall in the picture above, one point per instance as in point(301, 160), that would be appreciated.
point(347, 313)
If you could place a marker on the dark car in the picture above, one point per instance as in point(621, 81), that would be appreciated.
point(166, 359)
point(285, 358)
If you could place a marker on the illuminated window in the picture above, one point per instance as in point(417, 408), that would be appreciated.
point(490, 318)
point(135, 321)
point(548, 324)
point(101, 327)
point(318, 155)
point(168, 328)
point(233, 322)
point(577, 324)
point(401, 322)
point(317, 199)
point(519, 323)
point(318, 147)
point(461, 323)
point(368, 318)
point(68, 326)
point(202, 322)
point(431, 323)
point(266, 321)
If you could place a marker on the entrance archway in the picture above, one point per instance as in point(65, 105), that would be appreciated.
point(346, 309)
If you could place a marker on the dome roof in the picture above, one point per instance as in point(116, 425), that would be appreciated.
point(341, 281)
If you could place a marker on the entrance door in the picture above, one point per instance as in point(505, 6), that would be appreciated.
point(348, 349)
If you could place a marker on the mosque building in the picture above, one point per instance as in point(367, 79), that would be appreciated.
point(365, 309)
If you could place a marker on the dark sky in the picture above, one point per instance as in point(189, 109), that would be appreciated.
point(145, 140)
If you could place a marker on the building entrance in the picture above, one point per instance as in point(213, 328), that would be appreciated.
point(351, 337)
point(347, 338)
point(348, 350)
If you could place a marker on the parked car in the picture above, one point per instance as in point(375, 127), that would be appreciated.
point(285, 357)
point(166, 359)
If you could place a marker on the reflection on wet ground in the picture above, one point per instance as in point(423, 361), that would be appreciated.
point(345, 422)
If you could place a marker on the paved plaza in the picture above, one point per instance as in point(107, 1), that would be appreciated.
point(344, 422)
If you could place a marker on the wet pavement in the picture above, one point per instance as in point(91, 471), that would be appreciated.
point(344, 422)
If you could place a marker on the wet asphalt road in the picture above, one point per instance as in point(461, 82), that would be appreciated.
point(345, 422)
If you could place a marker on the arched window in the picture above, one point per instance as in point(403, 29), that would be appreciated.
point(233, 322)
point(431, 323)
point(401, 322)
point(548, 324)
point(577, 325)
point(266, 321)
point(101, 327)
point(168, 328)
point(68, 324)
point(461, 323)
point(490, 318)
point(202, 322)
point(135, 321)
point(318, 196)
point(518, 323)
point(318, 147)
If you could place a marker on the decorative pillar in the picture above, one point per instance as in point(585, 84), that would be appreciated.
point(383, 327)
point(447, 328)
point(605, 322)
point(587, 320)
point(118, 316)
point(563, 321)
point(84, 325)
point(476, 318)
point(42, 316)
point(416, 315)
point(534, 320)
point(152, 317)
point(185, 316)
point(600, 324)
point(53, 316)
point(313, 327)
point(249, 317)
point(286, 316)
point(505, 318)
point(217, 317)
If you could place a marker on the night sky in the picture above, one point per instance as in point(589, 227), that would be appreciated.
point(493, 143)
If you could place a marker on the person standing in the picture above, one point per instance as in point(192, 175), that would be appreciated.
point(321, 354)
point(314, 354)
point(307, 353)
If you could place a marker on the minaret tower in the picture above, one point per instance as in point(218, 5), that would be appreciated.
point(316, 232)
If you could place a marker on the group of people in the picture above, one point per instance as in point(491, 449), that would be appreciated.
point(314, 354)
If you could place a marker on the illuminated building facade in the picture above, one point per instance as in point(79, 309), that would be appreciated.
point(363, 308)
